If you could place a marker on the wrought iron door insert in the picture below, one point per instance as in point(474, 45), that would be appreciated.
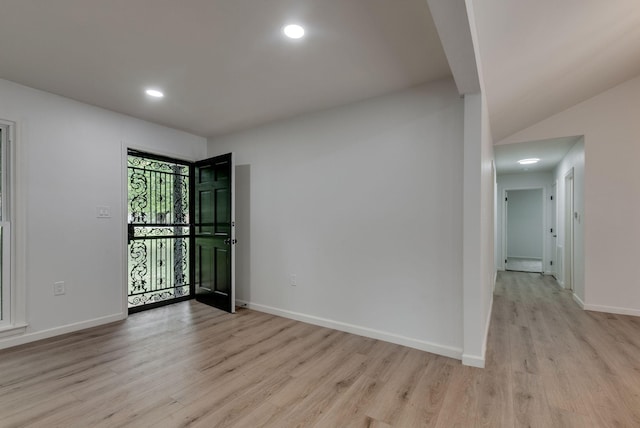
point(159, 243)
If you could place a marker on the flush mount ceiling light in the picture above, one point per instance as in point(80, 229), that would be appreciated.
point(528, 161)
point(154, 93)
point(293, 31)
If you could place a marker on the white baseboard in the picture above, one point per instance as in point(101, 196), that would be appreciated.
point(578, 300)
point(607, 309)
point(611, 310)
point(13, 330)
point(434, 348)
point(473, 360)
point(69, 328)
point(479, 360)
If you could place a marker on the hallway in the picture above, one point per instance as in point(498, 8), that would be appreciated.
point(552, 364)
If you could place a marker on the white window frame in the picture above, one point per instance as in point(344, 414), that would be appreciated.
point(5, 223)
point(14, 299)
point(5, 285)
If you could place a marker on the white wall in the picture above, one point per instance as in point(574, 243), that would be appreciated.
point(526, 180)
point(70, 162)
point(524, 224)
point(364, 204)
point(478, 223)
point(611, 129)
point(479, 271)
point(573, 161)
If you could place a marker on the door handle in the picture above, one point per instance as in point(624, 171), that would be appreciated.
point(555, 236)
point(230, 241)
point(130, 233)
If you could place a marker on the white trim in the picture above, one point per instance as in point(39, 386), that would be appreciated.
point(473, 361)
point(69, 328)
point(6, 247)
point(20, 246)
point(434, 348)
point(607, 309)
point(15, 213)
point(612, 310)
point(233, 233)
point(13, 330)
point(124, 178)
point(578, 300)
point(5, 274)
point(486, 329)
point(568, 263)
point(479, 360)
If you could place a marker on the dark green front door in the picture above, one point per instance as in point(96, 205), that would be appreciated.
point(213, 232)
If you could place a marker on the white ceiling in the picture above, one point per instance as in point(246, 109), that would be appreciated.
point(223, 64)
point(550, 153)
point(540, 57)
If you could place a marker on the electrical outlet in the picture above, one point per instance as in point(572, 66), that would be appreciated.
point(103, 212)
point(58, 288)
point(293, 280)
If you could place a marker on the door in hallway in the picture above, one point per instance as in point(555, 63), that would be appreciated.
point(524, 227)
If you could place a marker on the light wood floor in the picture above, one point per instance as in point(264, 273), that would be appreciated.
point(549, 364)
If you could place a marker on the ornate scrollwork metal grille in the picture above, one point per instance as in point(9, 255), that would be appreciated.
point(158, 217)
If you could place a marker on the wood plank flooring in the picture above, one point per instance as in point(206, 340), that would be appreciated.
point(549, 364)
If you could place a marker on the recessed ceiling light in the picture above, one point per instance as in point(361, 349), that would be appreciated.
point(528, 161)
point(154, 93)
point(293, 31)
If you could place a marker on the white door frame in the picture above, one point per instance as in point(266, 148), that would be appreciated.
point(569, 222)
point(505, 218)
point(554, 234)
